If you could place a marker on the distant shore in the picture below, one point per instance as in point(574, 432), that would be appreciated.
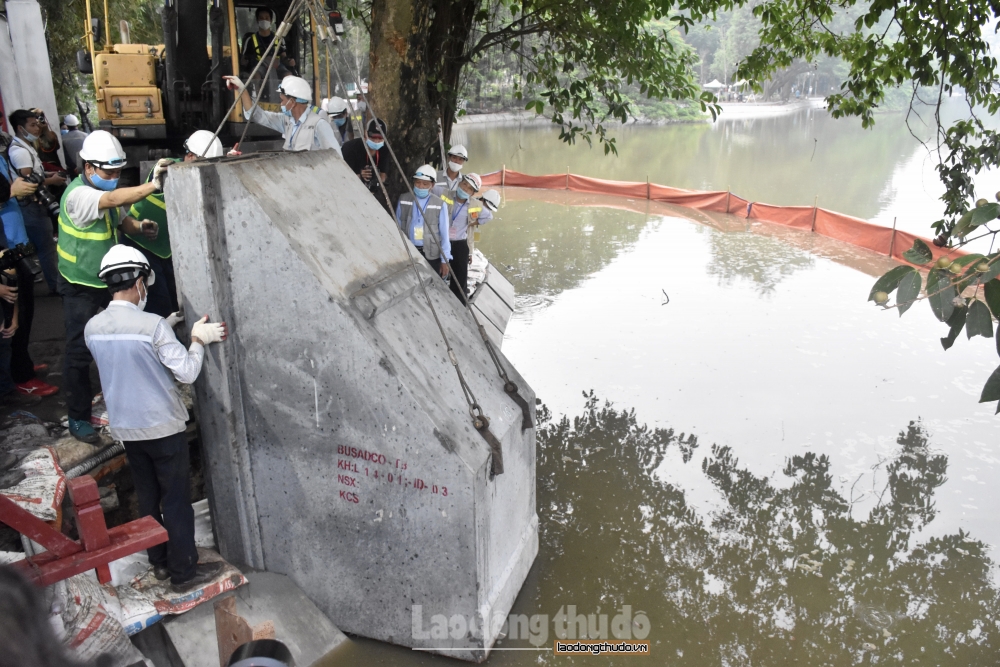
point(730, 111)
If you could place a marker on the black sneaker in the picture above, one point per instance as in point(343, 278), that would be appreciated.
point(205, 573)
point(161, 573)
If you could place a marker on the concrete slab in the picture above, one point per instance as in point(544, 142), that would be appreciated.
point(298, 623)
point(339, 446)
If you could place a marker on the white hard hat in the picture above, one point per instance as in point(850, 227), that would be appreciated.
point(102, 149)
point(426, 172)
point(297, 87)
point(71, 120)
point(123, 264)
point(459, 150)
point(204, 144)
point(491, 200)
point(335, 106)
point(474, 180)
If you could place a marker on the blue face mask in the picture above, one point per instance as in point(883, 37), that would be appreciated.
point(286, 112)
point(106, 184)
point(462, 194)
point(339, 122)
point(422, 193)
point(374, 145)
point(64, 131)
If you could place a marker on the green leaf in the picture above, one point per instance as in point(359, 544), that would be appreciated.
point(920, 253)
point(956, 322)
point(984, 214)
point(909, 290)
point(991, 391)
point(889, 281)
point(965, 260)
point(992, 294)
point(978, 322)
point(941, 293)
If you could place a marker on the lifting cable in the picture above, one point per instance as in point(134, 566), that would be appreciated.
point(479, 420)
point(510, 387)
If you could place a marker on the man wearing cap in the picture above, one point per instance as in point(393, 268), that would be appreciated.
point(338, 111)
point(89, 223)
point(464, 212)
point(304, 127)
point(72, 143)
point(163, 293)
point(413, 212)
point(139, 358)
point(449, 177)
point(360, 153)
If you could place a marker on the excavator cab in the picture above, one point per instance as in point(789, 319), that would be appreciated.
point(153, 96)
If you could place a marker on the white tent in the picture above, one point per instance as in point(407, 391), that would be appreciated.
point(714, 85)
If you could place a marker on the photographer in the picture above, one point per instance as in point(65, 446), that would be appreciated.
point(89, 224)
point(26, 162)
point(21, 367)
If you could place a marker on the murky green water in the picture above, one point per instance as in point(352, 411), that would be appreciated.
point(784, 475)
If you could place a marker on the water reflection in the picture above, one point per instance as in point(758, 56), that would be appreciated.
point(762, 260)
point(784, 571)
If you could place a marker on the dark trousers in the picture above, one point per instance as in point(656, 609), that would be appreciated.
point(22, 368)
point(80, 303)
point(460, 269)
point(161, 473)
point(38, 225)
point(163, 293)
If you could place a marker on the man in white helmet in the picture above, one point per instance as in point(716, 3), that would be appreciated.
point(304, 127)
point(89, 224)
point(449, 177)
point(338, 111)
point(163, 295)
point(464, 212)
point(72, 142)
point(412, 214)
point(139, 358)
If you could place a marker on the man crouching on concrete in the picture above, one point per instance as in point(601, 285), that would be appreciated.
point(138, 357)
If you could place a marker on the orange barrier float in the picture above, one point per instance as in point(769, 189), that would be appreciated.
point(855, 231)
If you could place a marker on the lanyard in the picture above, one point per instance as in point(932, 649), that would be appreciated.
point(458, 209)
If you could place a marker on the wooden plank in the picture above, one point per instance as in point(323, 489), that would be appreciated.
point(34, 528)
point(494, 334)
point(503, 287)
point(493, 307)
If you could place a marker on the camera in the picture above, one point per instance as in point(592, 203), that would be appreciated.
point(9, 260)
point(43, 196)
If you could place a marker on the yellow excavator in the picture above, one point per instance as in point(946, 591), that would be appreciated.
point(153, 96)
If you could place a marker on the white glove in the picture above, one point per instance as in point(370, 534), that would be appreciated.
point(160, 172)
point(234, 83)
point(175, 318)
point(208, 332)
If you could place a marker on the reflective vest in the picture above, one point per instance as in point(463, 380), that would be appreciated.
point(81, 249)
point(463, 214)
point(414, 221)
point(152, 208)
point(302, 137)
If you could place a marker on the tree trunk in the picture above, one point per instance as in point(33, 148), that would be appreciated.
point(411, 41)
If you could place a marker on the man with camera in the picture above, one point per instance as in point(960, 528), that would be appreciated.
point(89, 223)
point(36, 210)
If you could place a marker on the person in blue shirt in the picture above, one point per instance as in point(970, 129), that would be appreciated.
point(412, 212)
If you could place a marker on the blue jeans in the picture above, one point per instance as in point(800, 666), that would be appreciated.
point(39, 228)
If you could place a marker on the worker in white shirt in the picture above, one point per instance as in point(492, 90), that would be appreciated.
point(305, 127)
point(449, 177)
point(139, 357)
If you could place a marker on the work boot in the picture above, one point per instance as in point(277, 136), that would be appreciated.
point(204, 574)
point(17, 399)
point(83, 431)
point(161, 572)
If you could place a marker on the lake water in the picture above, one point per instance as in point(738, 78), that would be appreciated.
point(768, 468)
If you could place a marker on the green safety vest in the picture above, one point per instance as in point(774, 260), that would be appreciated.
point(152, 208)
point(82, 249)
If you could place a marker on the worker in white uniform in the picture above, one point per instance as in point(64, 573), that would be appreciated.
point(449, 177)
point(304, 127)
point(139, 357)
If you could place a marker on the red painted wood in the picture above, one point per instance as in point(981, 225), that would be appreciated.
point(34, 528)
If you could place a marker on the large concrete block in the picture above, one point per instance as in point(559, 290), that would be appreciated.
point(339, 446)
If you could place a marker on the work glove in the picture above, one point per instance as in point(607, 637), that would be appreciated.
point(160, 172)
point(175, 318)
point(150, 229)
point(209, 332)
point(234, 151)
point(234, 83)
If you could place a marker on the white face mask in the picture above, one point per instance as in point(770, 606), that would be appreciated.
point(143, 296)
point(454, 166)
point(264, 25)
